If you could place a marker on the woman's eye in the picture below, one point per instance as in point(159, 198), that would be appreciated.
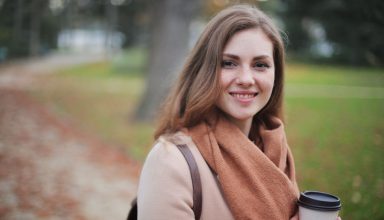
point(227, 64)
point(261, 65)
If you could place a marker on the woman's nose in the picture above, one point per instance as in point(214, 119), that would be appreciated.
point(245, 77)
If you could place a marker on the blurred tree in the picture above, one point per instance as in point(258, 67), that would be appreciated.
point(18, 20)
point(31, 27)
point(37, 8)
point(133, 21)
point(171, 20)
point(26, 27)
point(354, 28)
point(12, 22)
point(212, 7)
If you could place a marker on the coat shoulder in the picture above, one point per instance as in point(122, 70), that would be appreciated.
point(165, 186)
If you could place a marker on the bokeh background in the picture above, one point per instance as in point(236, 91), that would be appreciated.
point(89, 75)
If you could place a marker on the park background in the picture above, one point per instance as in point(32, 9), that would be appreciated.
point(102, 67)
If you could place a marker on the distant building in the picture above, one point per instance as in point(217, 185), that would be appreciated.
point(93, 41)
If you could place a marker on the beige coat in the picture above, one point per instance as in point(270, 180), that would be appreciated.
point(165, 187)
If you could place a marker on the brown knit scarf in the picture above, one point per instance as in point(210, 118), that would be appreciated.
point(256, 184)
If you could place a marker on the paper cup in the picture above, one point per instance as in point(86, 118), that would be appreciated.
point(314, 205)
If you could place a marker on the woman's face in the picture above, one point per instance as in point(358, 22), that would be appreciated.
point(247, 75)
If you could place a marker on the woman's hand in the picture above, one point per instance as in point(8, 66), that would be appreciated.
point(296, 217)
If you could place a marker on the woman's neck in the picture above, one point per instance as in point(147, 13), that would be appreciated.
point(243, 125)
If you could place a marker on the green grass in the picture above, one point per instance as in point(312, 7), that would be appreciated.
point(338, 143)
point(334, 75)
point(338, 148)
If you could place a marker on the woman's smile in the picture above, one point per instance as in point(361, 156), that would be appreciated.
point(244, 97)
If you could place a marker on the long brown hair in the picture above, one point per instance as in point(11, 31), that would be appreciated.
point(197, 89)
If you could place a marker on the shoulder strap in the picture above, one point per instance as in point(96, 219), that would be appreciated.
point(196, 182)
point(196, 185)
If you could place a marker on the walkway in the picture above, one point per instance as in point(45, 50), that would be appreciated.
point(48, 168)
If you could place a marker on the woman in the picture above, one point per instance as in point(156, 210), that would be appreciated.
point(227, 107)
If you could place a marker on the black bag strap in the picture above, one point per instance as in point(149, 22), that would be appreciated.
point(132, 214)
point(196, 182)
point(196, 185)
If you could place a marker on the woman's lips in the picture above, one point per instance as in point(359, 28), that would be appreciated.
point(244, 97)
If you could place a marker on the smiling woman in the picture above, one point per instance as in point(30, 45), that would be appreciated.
point(246, 77)
point(226, 107)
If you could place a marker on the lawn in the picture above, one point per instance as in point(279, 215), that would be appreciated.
point(338, 143)
point(337, 140)
point(338, 148)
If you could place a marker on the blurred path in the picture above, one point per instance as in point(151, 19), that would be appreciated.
point(19, 74)
point(50, 170)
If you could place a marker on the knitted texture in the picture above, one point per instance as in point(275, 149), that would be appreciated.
point(257, 184)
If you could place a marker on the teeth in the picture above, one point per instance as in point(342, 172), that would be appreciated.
point(243, 96)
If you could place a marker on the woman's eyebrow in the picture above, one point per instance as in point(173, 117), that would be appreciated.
point(262, 57)
point(236, 57)
point(233, 56)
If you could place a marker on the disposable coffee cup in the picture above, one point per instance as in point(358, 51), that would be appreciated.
point(314, 205)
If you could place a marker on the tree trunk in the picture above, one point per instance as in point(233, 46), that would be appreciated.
point(18, 21)
point(111, 25)
point(37, 9)
point(169, 45)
